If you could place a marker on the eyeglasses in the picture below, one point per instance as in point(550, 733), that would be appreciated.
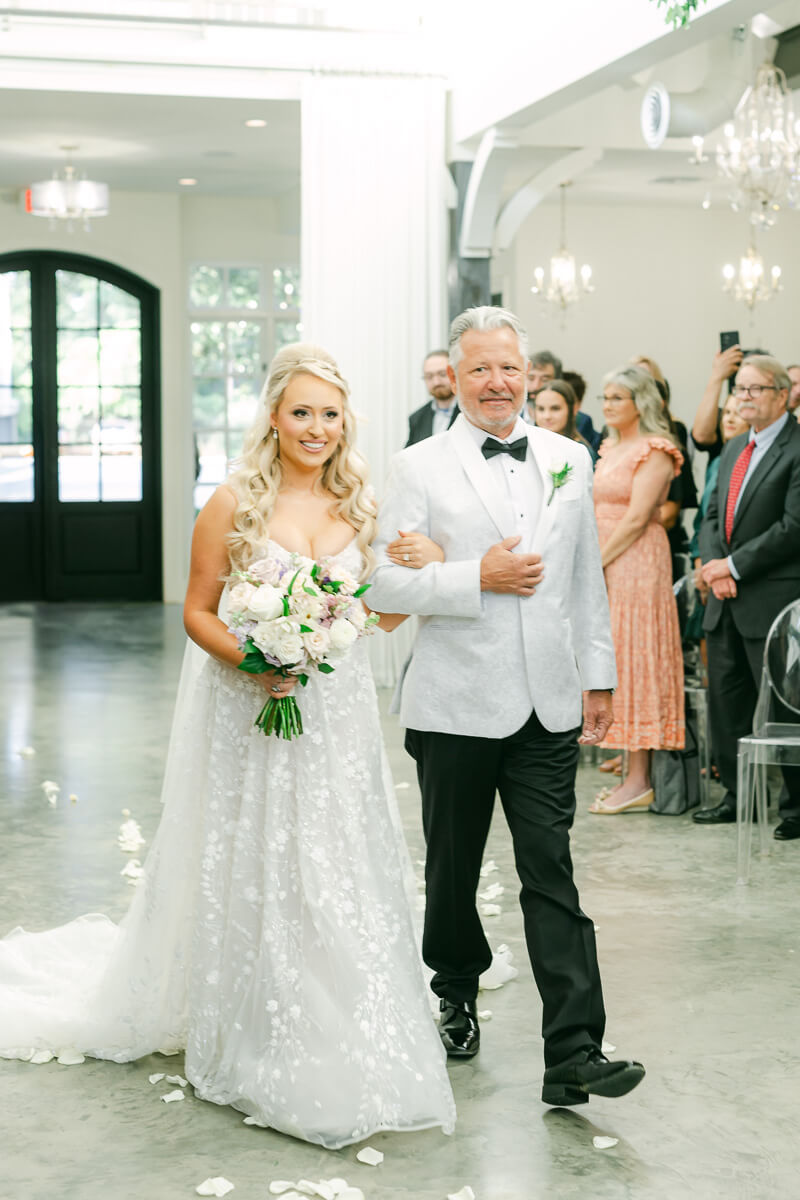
point(429, 376)
point(754, 391)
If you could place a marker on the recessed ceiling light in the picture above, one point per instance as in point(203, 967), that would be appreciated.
point(187, 182)
point(255, 123)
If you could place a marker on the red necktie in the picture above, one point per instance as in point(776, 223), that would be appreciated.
point(735, 486)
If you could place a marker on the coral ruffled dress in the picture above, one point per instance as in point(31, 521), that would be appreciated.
point(648, 702)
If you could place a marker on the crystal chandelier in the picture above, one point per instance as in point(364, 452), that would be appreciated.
point(750, 283)
point(565, 286)
point(760, 157)
point(67, 198)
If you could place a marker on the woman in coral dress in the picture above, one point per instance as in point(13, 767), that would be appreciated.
point(637, 463)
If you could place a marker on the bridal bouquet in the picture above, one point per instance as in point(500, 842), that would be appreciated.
point(294, 618)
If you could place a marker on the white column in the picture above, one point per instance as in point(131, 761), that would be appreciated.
point(373, 246)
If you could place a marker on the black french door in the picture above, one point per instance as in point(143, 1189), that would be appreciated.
point(80, 499)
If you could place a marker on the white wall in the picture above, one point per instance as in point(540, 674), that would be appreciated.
point(658, 275)
point(158, 236)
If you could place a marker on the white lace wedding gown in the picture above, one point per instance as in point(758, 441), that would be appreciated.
point(271, 936)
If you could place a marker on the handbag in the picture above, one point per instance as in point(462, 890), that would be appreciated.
point(675, 775)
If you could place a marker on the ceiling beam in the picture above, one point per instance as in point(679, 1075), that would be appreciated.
point(534, 191)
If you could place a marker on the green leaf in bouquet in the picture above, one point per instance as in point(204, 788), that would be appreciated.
point(334, 585)
point(294, 577)
point(306, 629)
point(285, 606)
point(315, 571)
point(310, 591)
point(303, 680)
point(253, 662)
point(325, 668)
point(360, 591)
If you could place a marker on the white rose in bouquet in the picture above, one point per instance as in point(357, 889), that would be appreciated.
point(239, 596)
point(287, 645)
point(349, 584)
point(317, 643)
point(264, 636)
point(300, 582)
point(307, 608)
point(266, 603)
point(342, 634)
point(266, 570)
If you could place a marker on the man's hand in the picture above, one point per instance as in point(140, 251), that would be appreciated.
point(724, 589)
point(716, 568)
point(598, 717)
point(502, 571)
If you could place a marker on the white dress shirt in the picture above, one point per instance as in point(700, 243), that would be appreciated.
point(441, 416)
point(520, 482)
point(763, 440)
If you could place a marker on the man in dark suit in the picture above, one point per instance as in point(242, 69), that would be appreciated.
point(441, 410)
point(750, 547)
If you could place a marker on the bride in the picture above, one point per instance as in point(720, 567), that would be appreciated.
point(271, 937)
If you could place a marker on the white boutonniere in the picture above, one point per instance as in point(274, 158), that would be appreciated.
point(559, 474)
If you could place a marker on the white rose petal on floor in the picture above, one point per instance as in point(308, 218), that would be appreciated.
point(130, 836)
point(218, 1186)
point(70, 1058)
point(500, 972)
point(604, 1143)
point(370, 1156)
point(39, 1057)
point(27, 752)
point(466, 1193)
point(608, 1048)
point(170, 1098)
point(488, 868)
point(177, 1079)
point(485, 1014)
point(491, 910)
point(156, 1078)
point(492, 891)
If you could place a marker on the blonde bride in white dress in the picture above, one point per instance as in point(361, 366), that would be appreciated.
point(271, 937)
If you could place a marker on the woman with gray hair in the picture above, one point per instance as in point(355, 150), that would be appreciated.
point(637, 463)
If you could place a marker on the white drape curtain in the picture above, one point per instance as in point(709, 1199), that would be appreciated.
point(373, 245)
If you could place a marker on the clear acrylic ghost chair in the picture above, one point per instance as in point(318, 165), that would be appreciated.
point(772, 741)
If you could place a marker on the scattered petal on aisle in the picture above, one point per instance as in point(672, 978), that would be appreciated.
point(608, 1048)
point(370, 1156)
point(130, 837)
point(466, 1193)
point(491, 910)
point(401, 787)
point(218, 1186)
point(51, 790)
point(41, 1056)
point(488, 867)
point(26, 752)
point(157, 1077)
point(492, 891)
point(485, 1014)
point(133, 871)
point(500, 972)
point(178, 1079)
point(604, 1143)
point(70, 1057)
point(178, 1095)
point(73, 799)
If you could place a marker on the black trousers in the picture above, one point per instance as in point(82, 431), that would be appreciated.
point(734, 676)
point(534, 772)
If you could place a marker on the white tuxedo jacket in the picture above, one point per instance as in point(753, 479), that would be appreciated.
point(482, 660)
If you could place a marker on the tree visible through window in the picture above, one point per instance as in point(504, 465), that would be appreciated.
point(240, 316)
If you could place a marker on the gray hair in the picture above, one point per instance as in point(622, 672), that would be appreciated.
point(546, 358)
point(769, 366)
point(646, 397)
point(483, 320)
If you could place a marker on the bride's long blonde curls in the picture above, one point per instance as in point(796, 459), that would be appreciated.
point(257, 478)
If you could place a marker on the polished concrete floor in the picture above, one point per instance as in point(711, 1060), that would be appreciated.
point(701, 977)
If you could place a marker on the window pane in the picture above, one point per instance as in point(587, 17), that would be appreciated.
point(16, 473)
point(120, 357)
point(244, 339)
point(15, 299)
point(118, 309)
point(78, 414)
point(286, 332)
point(286, 288)
point(16, 412)
point(208, 406)
point(243, 403)
point(76, 300)
point(244, 286)
point(206, 285)
point(78, 473)
point(21, 358)
point(213, 458)
point(121, 474)
point(208, 348)
point(234, 442)
point(122, 404)
point(77, 359)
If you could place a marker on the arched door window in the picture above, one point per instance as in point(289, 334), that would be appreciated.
point(79, 436)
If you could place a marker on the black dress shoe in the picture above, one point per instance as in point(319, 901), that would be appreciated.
point(788, 828)
point(723, 814)
point(458, 1028)
point(589, 1073)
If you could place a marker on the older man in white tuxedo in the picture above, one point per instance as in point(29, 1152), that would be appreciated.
point(512, 666)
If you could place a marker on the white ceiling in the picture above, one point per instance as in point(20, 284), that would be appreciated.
point(147, 143)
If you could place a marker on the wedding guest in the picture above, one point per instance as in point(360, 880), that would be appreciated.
point(556, 409)
point(706, 433)
point(682, 494)
point(638, 460)
point(438, 413)
point(793, 404)
point(731, 425)
point(582, 419)
point(543, 368)
point(750, 547)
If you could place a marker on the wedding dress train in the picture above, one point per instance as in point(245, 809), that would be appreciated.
point(271, 935)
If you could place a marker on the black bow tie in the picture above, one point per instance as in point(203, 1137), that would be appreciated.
point(518, 449)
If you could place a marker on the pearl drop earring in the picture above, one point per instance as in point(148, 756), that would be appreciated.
point(274, 433)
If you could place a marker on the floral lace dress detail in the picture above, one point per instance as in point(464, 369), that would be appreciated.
point(648, 702)
point(271, 936)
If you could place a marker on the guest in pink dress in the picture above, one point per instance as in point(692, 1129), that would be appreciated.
point(638, 461)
